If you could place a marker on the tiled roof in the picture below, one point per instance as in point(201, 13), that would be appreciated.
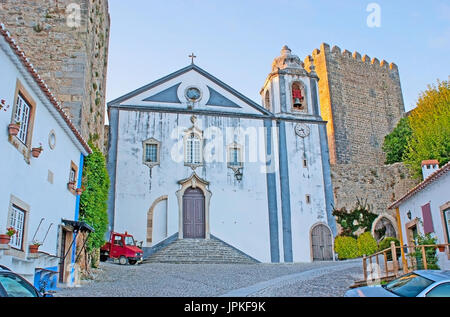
point(26, 62)
point(432, 178)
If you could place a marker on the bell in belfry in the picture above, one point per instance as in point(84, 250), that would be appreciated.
point(298, 98)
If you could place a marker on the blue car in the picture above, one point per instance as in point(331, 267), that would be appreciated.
point(13, 285)
point(415, 284)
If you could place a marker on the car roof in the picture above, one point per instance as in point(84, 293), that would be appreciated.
point(435, 275)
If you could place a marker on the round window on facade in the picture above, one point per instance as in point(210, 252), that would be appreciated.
point(193, 94)
point(52, 140)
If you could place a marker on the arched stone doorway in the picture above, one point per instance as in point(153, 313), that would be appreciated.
point(384, 226)
point(157, 221)
point(194, 221)
point(197, 194)
point(321, 243)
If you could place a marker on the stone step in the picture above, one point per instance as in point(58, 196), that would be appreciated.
point(195, 251)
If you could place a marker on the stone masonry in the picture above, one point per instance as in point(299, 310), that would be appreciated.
point(69, 51)
point(361, 98)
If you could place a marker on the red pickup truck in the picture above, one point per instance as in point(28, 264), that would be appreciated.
point(122, 247)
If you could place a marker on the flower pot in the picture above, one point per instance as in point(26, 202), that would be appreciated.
point(441, 247)
point(4, 239)
point(79, 191)
point(36, 152)
point(33, 248)
point(13, 129)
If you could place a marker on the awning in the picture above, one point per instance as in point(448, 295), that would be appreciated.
point(78, 225)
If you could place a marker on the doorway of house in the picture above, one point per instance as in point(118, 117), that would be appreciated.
point(322, 245)
point(194, 225)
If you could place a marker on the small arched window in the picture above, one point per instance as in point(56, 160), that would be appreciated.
point(193, 149)
point(267, 101)
point(298, 97)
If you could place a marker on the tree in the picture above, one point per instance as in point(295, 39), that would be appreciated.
point(396, 143)
point(430, 126)
point(93, 204)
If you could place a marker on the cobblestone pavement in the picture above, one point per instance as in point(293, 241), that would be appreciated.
point(177, 280)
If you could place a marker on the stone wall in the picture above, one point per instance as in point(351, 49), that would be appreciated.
point(71, 59)
point(380, 185)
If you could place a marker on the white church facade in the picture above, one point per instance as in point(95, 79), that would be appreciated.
point(191, 158)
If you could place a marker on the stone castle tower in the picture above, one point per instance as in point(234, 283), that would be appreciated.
point(362, 100)
point(67, 43)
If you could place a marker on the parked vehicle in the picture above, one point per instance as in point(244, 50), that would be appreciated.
point(415, 284)
point(14, 285)
point(122, 247)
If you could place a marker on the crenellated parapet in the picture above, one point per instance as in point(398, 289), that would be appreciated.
point(336, 52)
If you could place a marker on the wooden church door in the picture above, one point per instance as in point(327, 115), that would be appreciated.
point(194, 214)
point(322, 244)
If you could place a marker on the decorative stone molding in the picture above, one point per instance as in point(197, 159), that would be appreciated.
point(150, 218)
point(158, 150)
point(193, 182)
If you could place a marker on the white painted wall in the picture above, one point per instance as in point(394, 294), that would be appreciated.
point(238, 211)
point(28, 182)
point(437, 194)
point(160, 222)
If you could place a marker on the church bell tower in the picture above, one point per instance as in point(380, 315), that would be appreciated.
point(289, 88)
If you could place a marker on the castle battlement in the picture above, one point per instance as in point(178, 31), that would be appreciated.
point(336, 52)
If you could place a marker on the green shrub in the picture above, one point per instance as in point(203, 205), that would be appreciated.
point(386, 244)
point(430, 252)
point(346, 247)
point(367, 245)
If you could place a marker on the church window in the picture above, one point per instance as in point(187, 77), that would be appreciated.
point(235, 160)
point(151, 152)
point(298, 97)
point(193, 152)
point(267, 101)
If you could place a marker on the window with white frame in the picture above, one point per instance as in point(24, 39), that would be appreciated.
point(17, 221)
point(193, 149)
point(235, 156)
point(151, 149)
point(22, 117)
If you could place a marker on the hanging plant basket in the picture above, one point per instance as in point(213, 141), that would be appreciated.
point(36, 152)
point(13, 129)
point(34, 248)
point(4, 239)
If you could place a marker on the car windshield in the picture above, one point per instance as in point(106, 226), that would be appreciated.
point(129, 241)
point(16, 287)
point(409, 285)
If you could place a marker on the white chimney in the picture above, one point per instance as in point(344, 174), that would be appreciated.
point(429, 167)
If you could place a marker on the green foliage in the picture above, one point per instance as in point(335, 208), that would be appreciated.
point(352, 221)
point(396, 143)
point(430, 252)
point(367, 245)
point(430, 126)
point(386, 244)
point(93, 205)
point(346, 247)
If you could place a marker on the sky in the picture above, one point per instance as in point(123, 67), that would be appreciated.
point(237, 40)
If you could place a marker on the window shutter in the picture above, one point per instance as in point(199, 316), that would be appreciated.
point(427, 219)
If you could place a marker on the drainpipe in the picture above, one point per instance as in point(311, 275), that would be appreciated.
point(76, 218)
point(399, 223)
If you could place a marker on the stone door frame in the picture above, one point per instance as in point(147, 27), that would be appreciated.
point(193, 182)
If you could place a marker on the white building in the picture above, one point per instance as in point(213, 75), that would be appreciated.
point(190, 158)
point(426, 208)
point(35, 198)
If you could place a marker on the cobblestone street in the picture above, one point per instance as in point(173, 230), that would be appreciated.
point(261, 280)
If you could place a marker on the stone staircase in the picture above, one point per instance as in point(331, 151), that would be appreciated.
point(194, 251)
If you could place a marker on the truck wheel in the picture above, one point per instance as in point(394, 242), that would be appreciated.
point(132, 262)
point(103, 257)
point(123, 260)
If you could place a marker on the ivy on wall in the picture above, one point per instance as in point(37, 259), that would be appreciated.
point(93, 204)
point(360, 218)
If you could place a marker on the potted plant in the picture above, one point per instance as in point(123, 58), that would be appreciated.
point(37, 151)
point(14, 129)
point(34, 247)
point(6, 238)
point(441, 247)
point(79, 191)
point(3, 105)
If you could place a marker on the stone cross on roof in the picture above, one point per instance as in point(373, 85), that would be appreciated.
point(192, 56)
